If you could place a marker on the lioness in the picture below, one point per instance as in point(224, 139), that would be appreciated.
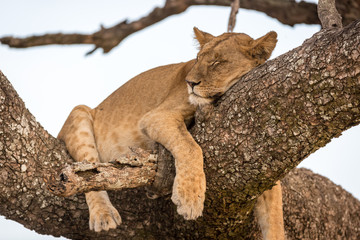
point(155, 107)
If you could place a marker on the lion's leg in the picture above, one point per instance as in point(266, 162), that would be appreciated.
point(189, 186)
point(269, 213)
point(78, 135)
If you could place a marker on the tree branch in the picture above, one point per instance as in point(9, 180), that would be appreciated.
point(328, 14)
point(287, 12)
point(235, 5)
point(132, 170)
point(313, 207)
point(274, 117)
point(105, 38)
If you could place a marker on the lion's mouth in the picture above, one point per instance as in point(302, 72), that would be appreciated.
point(200, 100)
point(214, 96)
point(195, 94)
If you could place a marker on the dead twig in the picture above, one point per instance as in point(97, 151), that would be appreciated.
point(235, 5)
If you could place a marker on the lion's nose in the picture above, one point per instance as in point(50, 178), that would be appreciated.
point(192, 84)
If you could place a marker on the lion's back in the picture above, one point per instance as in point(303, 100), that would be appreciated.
point(116, 118)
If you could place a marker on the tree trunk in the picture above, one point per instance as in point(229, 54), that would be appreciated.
point(258, 131)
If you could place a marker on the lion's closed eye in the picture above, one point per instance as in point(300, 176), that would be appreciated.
point(214, 63)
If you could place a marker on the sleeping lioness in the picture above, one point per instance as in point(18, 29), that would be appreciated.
point(155, 107)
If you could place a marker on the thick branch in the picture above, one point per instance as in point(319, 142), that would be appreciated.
point(260, 129)
point(287, 12)
point(324, 205)
point(328, 14)
point(132, 170)
point(291, 12)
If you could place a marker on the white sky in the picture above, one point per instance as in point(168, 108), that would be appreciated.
point(52, 80)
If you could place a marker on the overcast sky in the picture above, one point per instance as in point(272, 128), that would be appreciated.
point(52, 80)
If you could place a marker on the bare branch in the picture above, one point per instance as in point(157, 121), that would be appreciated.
point(132, 170)
point(105, 38)
point(328, 15)
point(287, 12)
point(235, 5)
point(47, 39)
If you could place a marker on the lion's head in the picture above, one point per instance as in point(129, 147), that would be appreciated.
point(222, 60)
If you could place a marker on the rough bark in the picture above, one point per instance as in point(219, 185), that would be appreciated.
point(286, 11)
point(134, 169)
point(328, 15)
point(262, 128)
point(331, 212)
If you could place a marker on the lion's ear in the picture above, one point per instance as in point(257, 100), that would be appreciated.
point(202, 37)
point(263, 46)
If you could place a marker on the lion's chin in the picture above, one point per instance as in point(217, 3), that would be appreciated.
point(197, 100)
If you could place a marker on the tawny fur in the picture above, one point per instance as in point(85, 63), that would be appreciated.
point(154, 107)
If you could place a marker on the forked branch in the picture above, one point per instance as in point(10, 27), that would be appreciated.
point(286, 12)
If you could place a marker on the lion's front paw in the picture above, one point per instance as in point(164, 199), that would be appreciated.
point(104, 217)
point(189, 195)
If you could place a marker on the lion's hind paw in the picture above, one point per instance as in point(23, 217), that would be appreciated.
point(104, 218)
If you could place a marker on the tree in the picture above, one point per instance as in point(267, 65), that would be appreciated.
point(322, 91)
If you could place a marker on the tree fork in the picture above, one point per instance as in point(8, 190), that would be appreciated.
point(259, 130)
